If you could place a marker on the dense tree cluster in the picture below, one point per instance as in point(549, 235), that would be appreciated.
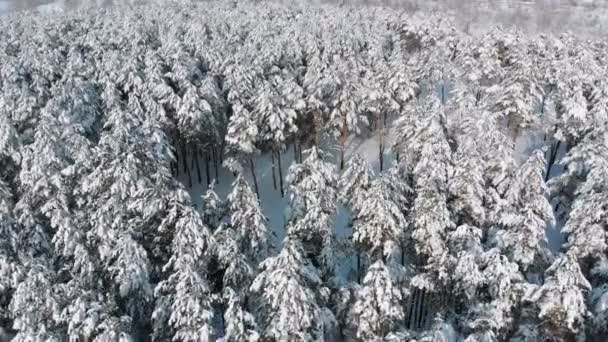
point(493, 138)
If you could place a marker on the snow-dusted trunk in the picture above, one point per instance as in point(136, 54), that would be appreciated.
point(552, 157)
point(216, 164)
point(300, 152)
point(198, 167)
point(358, 268)
point(382, 123)
point(343, 137)
point(421, 309)
point(186, 168)
point(342, 148)
point(184, 156)
point(207, 170)
point(412, 309)
point(274, 176)
point(255, 178)
point(280, 173)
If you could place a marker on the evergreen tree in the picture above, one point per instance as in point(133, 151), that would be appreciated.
point(288, 290)
point(183, 309)
point(562, 300)
point(526, 217)
point(312, 188)
point(252, 235)
point(241, 138)
point(378, 309)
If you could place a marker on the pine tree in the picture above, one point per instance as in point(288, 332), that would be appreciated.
point(378, 310)
point(276, 122)
point(36, 305)
point(183, 309)
point(355, 181)
point(562, 299)
point(252, 233)
point(240, 324)
point(520, 89)
point(312, 188)
point(378, 223)
point(241, 139)
point(503, 287)
point(287, 287)
point(345, 116)
point(526, 217)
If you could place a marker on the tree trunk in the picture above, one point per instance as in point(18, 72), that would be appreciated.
point(300, 152)
point(412, 315)
point(295, 151)
point(381, 148)
point(184, 157)
point(358, 268)
point(280, 174)
point(198, 167)
point(175, 164)
point(221, 151)
point(255, 178)
point(216, 164)
point(274, 177)
point(551, 161)
point(409, 309)
point(189, 173)
point(207, 171)
point(421, 308)
point(343, 137)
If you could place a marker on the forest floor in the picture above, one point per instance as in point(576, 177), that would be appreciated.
point(275, 207)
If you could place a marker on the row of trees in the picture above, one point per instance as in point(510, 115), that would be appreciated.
point(100, 111)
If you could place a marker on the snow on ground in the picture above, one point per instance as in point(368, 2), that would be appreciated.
point(273, 205)
point(50, 8)
point(4, 7)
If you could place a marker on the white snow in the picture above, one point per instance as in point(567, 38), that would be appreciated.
point(4, 7)
point(53, 7)
point(273, 205)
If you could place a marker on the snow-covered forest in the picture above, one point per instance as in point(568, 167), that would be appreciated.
point(252, 171)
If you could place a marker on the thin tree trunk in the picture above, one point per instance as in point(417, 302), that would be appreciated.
point(358, 268)
point(343, 136)
point(255, 178)
point(274, 177)
point(175, 164)
point(184, 157)
point(193, 157)
point(300, 152)
point(198, 167)
point(408, 306)
point(222, 310)
point(427, 310)
point(413, 311)
point(189, 177)
point(216, 164)
point(207, 171)
point(280, 174)
point(381, 147)
point(421, 308)
point(552, 159)
point(295, 150)
point(221, 151)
